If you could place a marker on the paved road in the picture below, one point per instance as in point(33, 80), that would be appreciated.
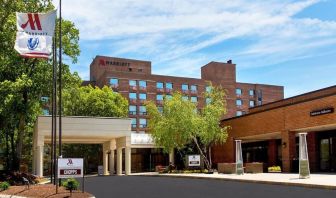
point(164, 187)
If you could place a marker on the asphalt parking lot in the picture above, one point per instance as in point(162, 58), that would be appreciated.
point(164, 187)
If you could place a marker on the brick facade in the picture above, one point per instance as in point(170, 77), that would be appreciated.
point(102, 69)
point(282, 120)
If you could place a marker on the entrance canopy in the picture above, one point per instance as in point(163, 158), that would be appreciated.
point(112, 133)
point(83, 130)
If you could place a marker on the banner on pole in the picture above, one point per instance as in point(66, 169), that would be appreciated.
point(32, 46)
point(42, 24)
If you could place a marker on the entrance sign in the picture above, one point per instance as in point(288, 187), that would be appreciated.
point(322, 111)
point(70, 167)
point(194, 160)
point(303, 157)
point(239, 158)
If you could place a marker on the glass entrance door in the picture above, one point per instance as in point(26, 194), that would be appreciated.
point(328, 154)
point(333, 154)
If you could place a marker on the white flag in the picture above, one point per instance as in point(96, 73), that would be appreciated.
point(32, 46)
point(42, 24)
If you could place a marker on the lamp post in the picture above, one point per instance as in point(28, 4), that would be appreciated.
point(239, 158)
point(303, 157)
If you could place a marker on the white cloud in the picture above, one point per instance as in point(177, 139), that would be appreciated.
point(173, 32)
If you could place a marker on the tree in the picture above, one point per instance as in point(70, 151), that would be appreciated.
point(181, 123)
point(23, 81)
point(93, 101)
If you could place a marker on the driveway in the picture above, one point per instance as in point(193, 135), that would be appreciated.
point(166, 187)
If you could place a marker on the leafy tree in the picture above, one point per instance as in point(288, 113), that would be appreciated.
point(181, 123)
point(93, 101)
point(23, 81)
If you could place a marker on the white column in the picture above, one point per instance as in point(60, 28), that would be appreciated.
point(105, 162)
point(112, 162)
point(119, 161)
point(128, 160)
point(39, 161)
point(171, 156)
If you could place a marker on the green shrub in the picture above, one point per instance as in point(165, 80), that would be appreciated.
point(71, 184)
point(4, 186)
point(274, 168)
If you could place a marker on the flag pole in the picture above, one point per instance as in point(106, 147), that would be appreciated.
point(60, 79)
point(55, 109)
point(52, 117)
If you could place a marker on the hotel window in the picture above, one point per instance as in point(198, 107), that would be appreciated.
point(207, 100)
point(193, 99)
point(114, 81)
point(160, 109)
point(208, 89)
point(132, 96)
point(132, 110)
point(185, 98)
point(132, 83)
point(143, 123)
point(159, 85)
point(159, 97)
point(252, 103)
point(45, 112)
point(238, 91)
point(259, 97)
point(193, 87)
point(185, 87)
point(143, 110)
point(142, 84)
point(239, 113)
point(239, 102)
point(45, 99)
point(168, 96)
point(134, 122)
point(142, 96)
point(169, 85)
point(251, 92)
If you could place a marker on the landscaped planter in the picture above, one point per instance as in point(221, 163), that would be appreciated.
point(274, 171)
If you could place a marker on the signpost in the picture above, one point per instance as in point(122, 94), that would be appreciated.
point(194, 160)
point(70, 167)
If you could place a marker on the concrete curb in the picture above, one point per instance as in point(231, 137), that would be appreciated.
point(14, 196)
point(247, 181)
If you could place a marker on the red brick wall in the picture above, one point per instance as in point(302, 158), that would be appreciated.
point(287, 120)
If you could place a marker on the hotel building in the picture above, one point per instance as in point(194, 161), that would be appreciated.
point(134, 80)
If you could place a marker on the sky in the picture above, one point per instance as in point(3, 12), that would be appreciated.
point(282, 42)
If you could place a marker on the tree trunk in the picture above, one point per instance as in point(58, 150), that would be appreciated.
point(21, 130)
point(206, 161)
point(210, 158)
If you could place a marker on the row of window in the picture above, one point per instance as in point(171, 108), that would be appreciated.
point(239, 102)
point(240, 92)
point(133, 110)
point(160, 97)
point(142, 123)
point(159, 85)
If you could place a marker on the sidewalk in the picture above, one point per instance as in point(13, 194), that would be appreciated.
point(325, 181)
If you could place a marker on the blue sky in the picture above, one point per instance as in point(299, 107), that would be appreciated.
point(282, 42)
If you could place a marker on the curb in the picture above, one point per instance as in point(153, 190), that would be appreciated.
point(14, 196)
point(318, 186)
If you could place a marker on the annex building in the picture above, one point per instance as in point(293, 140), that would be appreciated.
point(269, 132)
point(134, 80)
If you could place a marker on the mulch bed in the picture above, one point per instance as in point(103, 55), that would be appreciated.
point(43, 191)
